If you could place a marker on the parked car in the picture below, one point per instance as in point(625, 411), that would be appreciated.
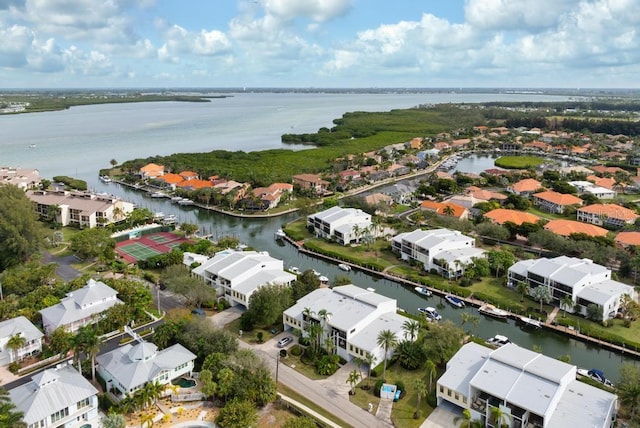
point(284, 341)
point(198, 311)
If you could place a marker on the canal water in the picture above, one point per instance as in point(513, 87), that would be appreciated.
point(259, 234)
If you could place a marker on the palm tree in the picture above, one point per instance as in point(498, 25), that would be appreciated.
point(10, 416)
point(87, 341)
point(324, 316)
point(498, 417)
point(430, 368)
point(146, 419)
point(464, 420)
point(523, 288)
point(370, 359)
point(388, 341)
point(352, 380)
point(421, 391)
point(16, 342)
point(154, 390)
point(315, 333)
point(411, 329)
point(567, 302)
point(448, 210)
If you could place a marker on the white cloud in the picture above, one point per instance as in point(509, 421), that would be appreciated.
point(503, 15)
point(16, 40)
point(317, 10)
point(179, 41)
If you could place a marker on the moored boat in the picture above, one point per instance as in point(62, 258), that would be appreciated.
point(454, 301)
point(345, 267)
point(595, 374)
point(185, 202)
point(528, 322)
point(294, 270)
point(280, 234)
point(430, 313)
point(105, 179)
point(158, 195)
point(423, 290)
point(498, 340)
point(492, 311)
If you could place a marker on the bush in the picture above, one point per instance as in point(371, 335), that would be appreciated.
point(14, 367)
point(401, 387)
point(296, 350)
point(304, 341)
point(148, 276)
point(431, 399)
point(260, 337)
point(246, 323)
point(377, 386)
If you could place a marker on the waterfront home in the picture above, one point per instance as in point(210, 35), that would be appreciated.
point(525, 187)
point(606, 182)
point(588, 284)
point(57, 397)
point(445, 209)
point(444, 250)
point(531, 389)
point(236, 275)
point(194, 184)
point(170, 180)
point(344, 225)
point(19, 326)
point(269, 197)
point(151, 170)
point(503, 215)
point(311, 182)
point(567, 228)
point(601, 169)
point(81, 307)
point(608, 215)
point(356, 317)
point(20, 177)
point(597, 191)
point(130, 367)
point(378, 199)
point(79, 208)
point(554, 202)
point(627, 239)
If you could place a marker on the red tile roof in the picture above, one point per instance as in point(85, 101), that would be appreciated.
point(526, 185)
point(502, 215)
point(558, 198)
point(628, 238)
point(440, 207)
point(568, 227)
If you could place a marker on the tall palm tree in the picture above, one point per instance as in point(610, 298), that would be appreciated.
point(324, 317)
point(523, 288)
point(16, 342)
point(411, 329)
point(388, 341)
point(421, 391)
point(498, 417)
point(315, 333)
point(154, 390)
point(430, 369)
point(370, 359)
point(566, 302)
point(352, 380)
point(87, 340)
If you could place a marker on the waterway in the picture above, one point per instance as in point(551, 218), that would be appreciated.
point(82, 140)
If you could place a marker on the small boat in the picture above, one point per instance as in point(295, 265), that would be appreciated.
point(423, 290)
point(185, 202)
point(454, 301)
point(344, 267)
point(280, 234)
point(528, 322)
point(32, 146)
point(176, 198)
point(597, 375)
point(430, 313)
point(294, 270)
point(158, 216)
point(498, 340)
point(323, 279)
point(316, 273)
point(158, 195)
point(170, 219)
point(492, 311)
point(105, 179)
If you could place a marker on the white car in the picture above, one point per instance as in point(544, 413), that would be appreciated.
point(284, 341)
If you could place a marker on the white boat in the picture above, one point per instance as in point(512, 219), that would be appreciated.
point(323, 279)
point(158, 216)
point(105, 179)
point(176, 198)
point(430, 313)
point(492, 311)
point(498, 340)
point(158, 195)
point(529, 322)
point(316, 273)
point(185, 202)
point(32, 146)
point(294, 270)
point(595, 374)
point(280, 234)
point(423, 290)
point(454, 301)
point(345, 267)
point(170, 219)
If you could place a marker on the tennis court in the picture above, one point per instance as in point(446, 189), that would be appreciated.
point(148, 246)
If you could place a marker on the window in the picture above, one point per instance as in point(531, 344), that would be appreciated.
point(84, 403)
point(457, 396)
point(60, 414)
point(441, 388)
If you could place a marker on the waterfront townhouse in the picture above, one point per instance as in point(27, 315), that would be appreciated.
point(20, 177)
point(57, 397)
point(236, 275)
point(525, 187)
point(444, 250)
point(30, 337)
point(503, 215)
point(80, 209)
point(585, 282)
point(81, 307)
point(355, 318)
point(597, 191)
point(531, 389)
point(151, 170)
point(311, 182)
point(607, 215)
point(344, 225)
point(554, 202)
point(567, 228)
point(130, 367)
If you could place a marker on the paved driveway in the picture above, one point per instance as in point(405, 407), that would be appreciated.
point(441, 417)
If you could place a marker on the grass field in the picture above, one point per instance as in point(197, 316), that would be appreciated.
point(518, 162)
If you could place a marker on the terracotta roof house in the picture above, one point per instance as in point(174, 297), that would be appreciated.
point(415, 143)
point(349, 175)
point(194, 184)
point(270, 196)
point(502, 216)
point(496, 171)
point(538, 145)
point(610, 215)
point(441, 145)
point(606, 169)
point(446, 209)
point(606, 182)
point(151, 170)
point(555, 202)
point(564, 227)
point(171, 180)
point(311, 182)
point(525, 187)
point(188, 175)
point(627, 239)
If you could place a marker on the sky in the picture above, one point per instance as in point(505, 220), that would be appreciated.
point(320, 43)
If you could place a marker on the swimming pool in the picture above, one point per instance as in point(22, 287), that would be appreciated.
point(183, 382)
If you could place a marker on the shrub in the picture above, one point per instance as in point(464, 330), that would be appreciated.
point(148, 276)
point(377, 386)
point(304, 341)
point(14, 367)
point(260, 337)
point(296, 351)
point(401, 387)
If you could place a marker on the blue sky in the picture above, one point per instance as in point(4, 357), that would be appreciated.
point(319, 43)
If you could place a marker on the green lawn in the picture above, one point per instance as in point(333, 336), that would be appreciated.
point(614, 331)
point(518, 162)
point(546, 215)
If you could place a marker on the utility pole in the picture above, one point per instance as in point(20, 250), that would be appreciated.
point(277, 367)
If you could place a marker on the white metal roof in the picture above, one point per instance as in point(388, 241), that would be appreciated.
point(582, 405)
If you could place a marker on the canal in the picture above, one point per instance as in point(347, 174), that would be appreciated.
point(259, 234)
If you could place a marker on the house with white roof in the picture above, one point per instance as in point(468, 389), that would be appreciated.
point(533, 390)
point(236, 275)
point(356, 318)
point(447, 251)
point(81, 307)
point(130, 367)
point(58, 397)
point(344, 225)
point(19, 326)
point(597, 191)
point(586, 282)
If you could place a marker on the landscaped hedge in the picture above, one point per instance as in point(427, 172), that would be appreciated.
point(311, 246)
point(596, 332)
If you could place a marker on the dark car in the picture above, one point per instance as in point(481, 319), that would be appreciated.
point(198, 311)
point(284, 341)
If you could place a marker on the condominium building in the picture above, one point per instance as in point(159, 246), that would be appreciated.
point(344, 225)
